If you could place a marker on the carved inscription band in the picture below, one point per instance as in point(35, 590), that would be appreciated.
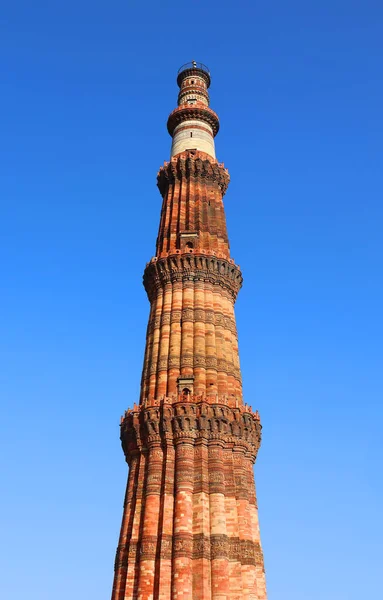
point(195, 546)
point(192, 315)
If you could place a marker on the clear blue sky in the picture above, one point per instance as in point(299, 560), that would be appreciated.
point(86, 89)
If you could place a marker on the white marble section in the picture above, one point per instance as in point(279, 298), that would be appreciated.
point(188, 136)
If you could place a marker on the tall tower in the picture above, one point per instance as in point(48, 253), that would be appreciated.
point(190, 523)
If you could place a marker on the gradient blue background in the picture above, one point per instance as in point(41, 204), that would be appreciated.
point(86, 88)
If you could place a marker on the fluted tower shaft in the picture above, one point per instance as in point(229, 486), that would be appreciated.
point(190, 524)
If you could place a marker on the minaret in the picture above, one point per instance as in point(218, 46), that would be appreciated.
point(190, 523)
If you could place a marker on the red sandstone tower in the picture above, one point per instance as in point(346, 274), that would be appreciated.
point(190, 524)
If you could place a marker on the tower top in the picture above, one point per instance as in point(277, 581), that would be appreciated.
point(193, 68)
point(193, 125)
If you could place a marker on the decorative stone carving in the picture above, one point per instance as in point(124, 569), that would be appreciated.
point(199, 314)
point(201, 546)
point(187, 360)
point(190, 268)
point(166, 546)
point(219, 546)
point(211, 362)
point(165, 318)
point(222, 364)
point(196, 418)
point(216, 546)
point(175, 316)
point(132, 550)
point(185, 451)
point(187, 314)
point(162, 364)
point(199, 360)
point(182, 545)
point(174, 360)
point(148, 548)
point(153, 368)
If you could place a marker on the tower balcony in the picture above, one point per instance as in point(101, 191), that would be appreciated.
point(197, 111)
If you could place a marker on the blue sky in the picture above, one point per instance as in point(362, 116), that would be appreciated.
point(86, 89)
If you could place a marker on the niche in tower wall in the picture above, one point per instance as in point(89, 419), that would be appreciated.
point(188, 240)
point(185, 385)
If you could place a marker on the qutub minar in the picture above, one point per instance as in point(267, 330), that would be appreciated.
point(190, 523)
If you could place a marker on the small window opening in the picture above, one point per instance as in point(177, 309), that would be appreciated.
point(192, 82)
point(191, 134)
point(189, 245)
point(186, 392)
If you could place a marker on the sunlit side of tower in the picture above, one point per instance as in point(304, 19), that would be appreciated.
point(190, 522)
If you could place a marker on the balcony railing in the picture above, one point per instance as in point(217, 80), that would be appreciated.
point(194, 65)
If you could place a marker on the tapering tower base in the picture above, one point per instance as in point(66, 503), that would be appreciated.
point(190, 528)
